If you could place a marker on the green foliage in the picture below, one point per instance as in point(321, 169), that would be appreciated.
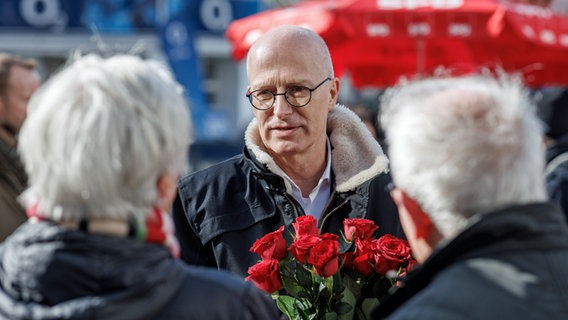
point(336, 297)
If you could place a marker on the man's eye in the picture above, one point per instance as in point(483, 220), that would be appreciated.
point(263, 95)
point(297, 91)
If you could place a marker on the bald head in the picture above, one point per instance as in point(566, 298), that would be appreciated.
point(284, 61)
point(290, 40)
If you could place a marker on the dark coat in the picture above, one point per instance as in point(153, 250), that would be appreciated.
point(222, 210)
point(557, 179)
point(48, 272)
point(13, 181)
point(508, 264)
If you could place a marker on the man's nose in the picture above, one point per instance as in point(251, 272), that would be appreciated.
point(281, 105)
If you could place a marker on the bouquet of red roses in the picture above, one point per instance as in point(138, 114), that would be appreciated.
point(311, 279)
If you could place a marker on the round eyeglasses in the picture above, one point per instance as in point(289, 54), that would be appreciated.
point(297, 96)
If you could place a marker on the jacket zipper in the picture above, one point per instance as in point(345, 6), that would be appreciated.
point(294, 203)
point(327, 214)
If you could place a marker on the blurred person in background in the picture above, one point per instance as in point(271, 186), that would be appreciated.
point(104, 144)
point(367, 117)
point(558, 6)
point(553, 110)
point(304, 155)
point(467, 159)
point(18, 81)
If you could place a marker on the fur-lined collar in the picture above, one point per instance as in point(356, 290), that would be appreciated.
point(355, 156)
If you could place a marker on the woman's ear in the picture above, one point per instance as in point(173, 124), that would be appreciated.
point(167, 190)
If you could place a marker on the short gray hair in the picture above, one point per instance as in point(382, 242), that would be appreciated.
point(98, 136)
point(464, 145)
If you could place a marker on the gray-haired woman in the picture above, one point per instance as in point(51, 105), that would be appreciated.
point(104, 145)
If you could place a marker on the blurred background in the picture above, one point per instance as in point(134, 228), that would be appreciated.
point(188, 35)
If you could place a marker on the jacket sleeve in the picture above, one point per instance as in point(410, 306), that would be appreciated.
point(383, 207)
point(258, 305)
point(557, 186)
point(192, 250)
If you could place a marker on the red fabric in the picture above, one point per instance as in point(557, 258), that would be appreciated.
point(155, 228)
point(160, 230)
point(379, 41)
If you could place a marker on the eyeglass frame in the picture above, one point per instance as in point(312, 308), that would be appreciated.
point(274, 94)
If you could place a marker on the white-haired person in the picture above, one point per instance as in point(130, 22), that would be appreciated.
point(104, 144)
point(467, 162)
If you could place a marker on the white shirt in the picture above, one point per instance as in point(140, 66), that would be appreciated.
point(315, 203)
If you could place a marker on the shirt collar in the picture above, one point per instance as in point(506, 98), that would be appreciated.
point(320, 190)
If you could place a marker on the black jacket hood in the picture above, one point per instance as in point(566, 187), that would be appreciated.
point(100, 283)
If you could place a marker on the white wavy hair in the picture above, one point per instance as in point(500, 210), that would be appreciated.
point(464, 145)
point(98, 136)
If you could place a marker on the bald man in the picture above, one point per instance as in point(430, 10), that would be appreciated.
point(304, 155)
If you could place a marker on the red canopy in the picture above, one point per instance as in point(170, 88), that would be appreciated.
point(378, 41)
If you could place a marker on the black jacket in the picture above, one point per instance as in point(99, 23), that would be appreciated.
point(13, 181)
point(48, 272)
point(507, 264)
point(557, 179)
point(222, 210)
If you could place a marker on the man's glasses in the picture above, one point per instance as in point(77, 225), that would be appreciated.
point(297, 96)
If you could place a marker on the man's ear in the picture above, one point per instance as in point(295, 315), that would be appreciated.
point(334, 93)
point(422, 235)
point(414, 215)
point(167, 190)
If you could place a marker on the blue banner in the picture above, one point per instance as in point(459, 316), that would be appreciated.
point(206, 17)
point(178, 43)
point(84, 15)
point(177, 22)
point(123, 16)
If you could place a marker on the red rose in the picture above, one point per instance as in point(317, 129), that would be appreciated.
point(391, 253)
point(383, 264)
point(358, 228)
point(412, 263)
point(394, 248)
point(329, 236)
point(271, 246)
point(265, 275)
point(363, 260)
point(305, 225)
point(364, 263)
point(364, 245)
point(324, 257)
point(301, 247)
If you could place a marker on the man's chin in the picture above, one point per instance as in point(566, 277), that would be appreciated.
point(284, 148)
